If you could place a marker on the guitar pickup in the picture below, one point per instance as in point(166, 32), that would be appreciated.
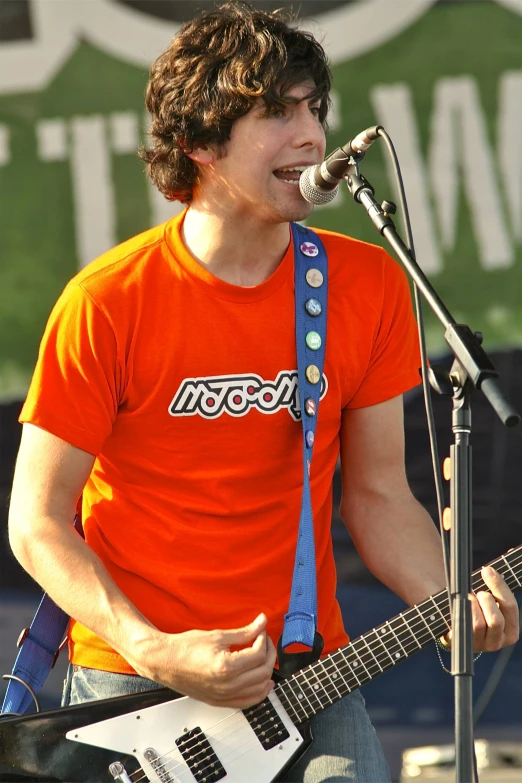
point(266, 724)
point(200, 756)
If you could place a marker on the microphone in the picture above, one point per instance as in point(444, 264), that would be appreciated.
point(320, 184)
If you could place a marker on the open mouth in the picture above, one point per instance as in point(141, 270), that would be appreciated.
point(289, 175)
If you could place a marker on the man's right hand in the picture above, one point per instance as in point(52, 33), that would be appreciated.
point(201, 664)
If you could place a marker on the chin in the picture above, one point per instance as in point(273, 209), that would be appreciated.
point(295, 212)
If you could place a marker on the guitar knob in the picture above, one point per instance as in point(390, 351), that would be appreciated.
point(118, 772)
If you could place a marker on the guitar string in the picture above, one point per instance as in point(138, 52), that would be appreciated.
point(302, 685)
point(226, 760)
point(238, 715)
point(372, 658)
point(478, 583)
point(244, 748)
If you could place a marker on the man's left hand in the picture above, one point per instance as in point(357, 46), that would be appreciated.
point(495, 614)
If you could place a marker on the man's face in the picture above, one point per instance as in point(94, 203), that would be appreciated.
point(257, 176)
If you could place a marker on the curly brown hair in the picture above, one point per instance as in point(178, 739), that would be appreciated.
point(214, 71)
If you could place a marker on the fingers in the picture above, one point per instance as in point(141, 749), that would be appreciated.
point(495, 614)
point(244, 677)
point(271, 653)
point(247, 697)
point(259, 652)
point(244, 635)
point(500, 601)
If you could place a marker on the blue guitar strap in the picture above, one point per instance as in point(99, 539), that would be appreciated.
point(311, 289)
point(39, 646)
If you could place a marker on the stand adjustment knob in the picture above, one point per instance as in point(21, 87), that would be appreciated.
point(440, 380)
point(388, 207)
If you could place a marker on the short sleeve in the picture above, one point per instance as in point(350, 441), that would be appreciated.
point(394, 362)
point(75, 387)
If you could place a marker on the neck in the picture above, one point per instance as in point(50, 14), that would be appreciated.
point(238, 249)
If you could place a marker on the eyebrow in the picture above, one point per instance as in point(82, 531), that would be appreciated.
point(312, 97)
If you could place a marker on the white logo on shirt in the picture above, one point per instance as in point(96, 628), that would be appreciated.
point(237, 394)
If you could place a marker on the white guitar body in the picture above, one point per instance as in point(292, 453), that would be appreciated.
point(185, 741)
point(151, 736)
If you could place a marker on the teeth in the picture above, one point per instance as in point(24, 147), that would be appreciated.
point(295, 168)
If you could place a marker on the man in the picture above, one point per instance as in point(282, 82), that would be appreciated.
point(190, 501)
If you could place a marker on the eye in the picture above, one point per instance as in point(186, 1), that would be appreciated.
point(275, 112)
point(316, 111)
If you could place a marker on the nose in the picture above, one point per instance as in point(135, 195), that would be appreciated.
point(308, 132)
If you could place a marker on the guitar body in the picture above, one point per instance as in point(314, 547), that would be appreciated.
point(161, 737)
point(42, 747)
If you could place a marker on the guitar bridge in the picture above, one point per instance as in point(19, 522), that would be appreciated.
point(266, 723)
point(154, 760)
point(200, 756)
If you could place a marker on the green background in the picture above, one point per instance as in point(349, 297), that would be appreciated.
point(37, 228)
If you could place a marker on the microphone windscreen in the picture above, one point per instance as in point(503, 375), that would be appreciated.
point(312, 192)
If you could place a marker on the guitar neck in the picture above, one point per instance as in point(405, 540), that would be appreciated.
point(324, 682)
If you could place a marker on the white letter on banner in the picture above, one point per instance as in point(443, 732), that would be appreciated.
point(509, 145)
point(394, 110)
point(459, 142)
point(51, 139)
point(92, 187)
point(4, 145)
point(124, 132)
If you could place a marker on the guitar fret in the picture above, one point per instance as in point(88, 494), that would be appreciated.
point(359, 660)
point(330, 680)
point(314, 686)
point(300, 697)
point(318, 685)
point(336, 675)
point(344, 663)
point(379, 640)
point(403, 632)
point(435, 624)
point(433, 601)
point(403, 618)
point(398, 640)
point(424, 621)
point(286, 701)
point(302, 675)
point(350, 667)
point(363, 639)
point(517, 581)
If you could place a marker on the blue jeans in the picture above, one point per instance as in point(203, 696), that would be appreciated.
point(345, 746)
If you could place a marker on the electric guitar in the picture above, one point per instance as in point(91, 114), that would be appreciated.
point(159, 737)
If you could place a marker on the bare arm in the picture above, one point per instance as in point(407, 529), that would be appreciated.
point(49, 477)
point(393, 533)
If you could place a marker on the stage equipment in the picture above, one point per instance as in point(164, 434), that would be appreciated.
point(471, 369)
point(497, 762)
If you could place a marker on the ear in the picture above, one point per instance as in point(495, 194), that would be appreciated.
point(202, 155)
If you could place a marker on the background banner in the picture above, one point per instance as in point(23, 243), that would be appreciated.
point(444, 78)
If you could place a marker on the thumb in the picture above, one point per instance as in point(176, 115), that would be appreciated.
point(247, 633)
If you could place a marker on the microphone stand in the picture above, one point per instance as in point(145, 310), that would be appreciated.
point(471, 369)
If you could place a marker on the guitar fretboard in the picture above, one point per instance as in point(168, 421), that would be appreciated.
point(329, 679)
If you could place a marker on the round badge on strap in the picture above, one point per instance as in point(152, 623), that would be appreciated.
point(309, 249)
point(310, 407)
point(312, 373)
point(314, 278)
point(313, 340)
point(313, 307)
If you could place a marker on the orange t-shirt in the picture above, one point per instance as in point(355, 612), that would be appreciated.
point(164, 372)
